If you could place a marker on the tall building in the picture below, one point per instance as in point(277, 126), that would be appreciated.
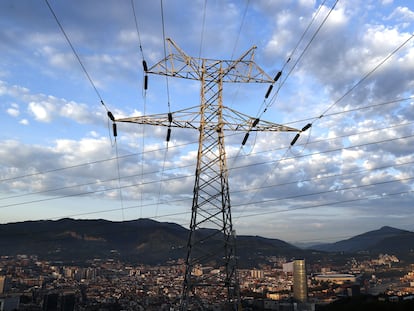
point(4, 284)
point(300, 281)
point(257, 274)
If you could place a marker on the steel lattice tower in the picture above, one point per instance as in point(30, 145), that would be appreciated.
point(212, 240)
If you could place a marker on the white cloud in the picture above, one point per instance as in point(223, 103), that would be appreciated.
point(41, 111)
point(46, 108)
point(86, 148)
point(14, 111)
point(75, 111)
point(24, 122)
point(56, 58)
point(94, 134)
point(402, 14)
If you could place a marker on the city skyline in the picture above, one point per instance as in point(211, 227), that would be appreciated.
point(346, 69)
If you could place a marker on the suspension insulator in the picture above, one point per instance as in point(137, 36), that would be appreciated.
point(146, 82)
point(306, 127)
point(245, 139)
point(170, 117)
point(144, 64)
point(295, 139)
point(255, 122)
point(168, 134)
point(111, 116)
point(268, 91)
point(277, 76)
point(114, 129)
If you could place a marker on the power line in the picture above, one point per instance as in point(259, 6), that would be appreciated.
point(86, 193)
point(370, 197)
point(315, 15)
point(234, 134)
point(203, 24)
point(145, 87)
point(278, 75)
point(349, 90)
point(165, 55)
point(137, 28)
point(303, 52)
point(134, 185)
point(338, 113)
point(284, 158)
point(240, 28)
point(329, 151)
point(369, 73)
point(76, 54)
point(161, 180)
point(121, 198)
point(89, 163)
point(190, 175)
point(84, 69)
point(187, 166)
point(290, 57)
point(324, 192)
point(273, 98)
point(360, 108)
point(327, 204)
point(168, 97)
point(328, 176)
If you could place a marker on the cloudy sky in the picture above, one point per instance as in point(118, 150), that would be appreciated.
point(347, 69)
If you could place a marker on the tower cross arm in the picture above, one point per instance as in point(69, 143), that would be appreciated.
point(186, 118)
point(240, 122)
point(178, 64)
point(190, 118)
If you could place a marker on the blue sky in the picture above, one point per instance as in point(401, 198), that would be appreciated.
point(350, 74)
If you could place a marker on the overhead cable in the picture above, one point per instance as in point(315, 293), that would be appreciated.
point(187, 176)
point(358, 83)
point(181, 145)
point(293, 209)
point(203, 24)
point(76, 54)
point(327, 204)
point(240, 28)
point(369, 73)
point(138, 34)
point(262, 186)
point(145, 88)
point(278, 75)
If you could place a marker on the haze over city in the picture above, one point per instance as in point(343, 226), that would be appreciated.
point(347, 69)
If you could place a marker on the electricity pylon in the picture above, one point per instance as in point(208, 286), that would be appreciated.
point(211, 208)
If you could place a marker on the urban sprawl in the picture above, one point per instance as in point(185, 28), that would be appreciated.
point(27, 283)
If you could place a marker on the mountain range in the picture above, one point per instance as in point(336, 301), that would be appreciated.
point(386, 240)
point(150, 242)
point(140, 241)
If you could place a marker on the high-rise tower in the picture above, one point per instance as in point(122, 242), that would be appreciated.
point(300, 281)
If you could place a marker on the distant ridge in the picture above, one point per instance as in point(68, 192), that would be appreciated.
point(151, 242)
point(140, 241)
point(70, 239)
point(385, 239)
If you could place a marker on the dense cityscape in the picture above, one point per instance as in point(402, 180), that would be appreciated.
point(27, 283)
